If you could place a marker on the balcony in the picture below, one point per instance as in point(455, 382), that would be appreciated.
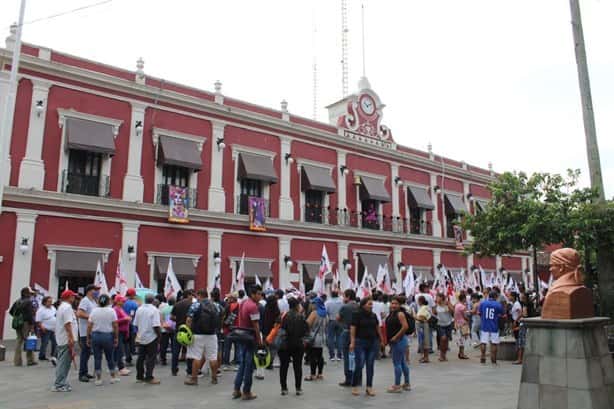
point(162, 196)
point(421, 227)
point(316, 214)
point(242, 205)
point(85, 184)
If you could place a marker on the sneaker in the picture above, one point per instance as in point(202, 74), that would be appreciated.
point(406, 387)
point(98, 382)
point(115, 379)
point(90, 376)
point(124, 372)
point(248, 396)
point(236, 394)
point(153, 381)
point(259, 377)
point(226, 368)
point(284, 392)
point(190, 381)
point(61, 389)
point(299, 392)
point(84, 378)
point(32, 363)
point(54, 361)
point(139, 380)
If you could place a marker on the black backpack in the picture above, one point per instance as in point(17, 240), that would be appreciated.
point(411, 322)
point(207, 320)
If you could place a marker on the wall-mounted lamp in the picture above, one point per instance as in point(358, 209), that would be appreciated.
point(220, 144)
point(40, 108)
point(401, 267)
point(344, 170)
point(346, 264)
point(436, 189)
point(288, 261)
point(469, 196)
point(24, 246)
point(139, 128)
point(131, 253)
point(289, 159)
point(397, 181)
point(217, 259)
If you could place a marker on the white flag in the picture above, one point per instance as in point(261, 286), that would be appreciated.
point(324, 265)
point(268, 285)
point(318, 285)
point(240, 280)
point(258, 283)
point(364, 290)
point(171, 284)
point(100, 280)
point(121, 285)
point(409, 283)
point(137, 281)
point(349, 284)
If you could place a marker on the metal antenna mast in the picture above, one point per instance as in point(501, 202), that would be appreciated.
point(344, 47)
point(362, 9)
point(315, 67)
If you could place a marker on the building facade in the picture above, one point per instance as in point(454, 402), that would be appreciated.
point(96, 153)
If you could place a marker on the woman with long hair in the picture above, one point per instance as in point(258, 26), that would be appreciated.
point(295, 328)
point(317, 321)
point(443, 310)
point(365, 339)
point(397, 327)
point(272, 316)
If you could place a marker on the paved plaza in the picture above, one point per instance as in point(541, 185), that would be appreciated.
point(451, 385)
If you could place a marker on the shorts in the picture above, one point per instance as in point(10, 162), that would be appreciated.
point(444, 331)
point(486, 337)
point(521, 339)
point(203, 346)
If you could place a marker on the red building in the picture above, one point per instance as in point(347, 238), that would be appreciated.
point(94, 150)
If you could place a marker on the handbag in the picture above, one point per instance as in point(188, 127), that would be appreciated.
point(465, 331)
point(310, 340)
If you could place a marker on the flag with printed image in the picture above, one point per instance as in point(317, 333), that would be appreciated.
point(100, 280)
point(121, 284)
point(171, 283)
point(324, 264)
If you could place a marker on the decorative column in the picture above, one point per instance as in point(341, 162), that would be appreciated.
point(285, 275)
point(6, 166)
point(22, 262)
point(466, 191)
point(394, 173)
point(32, 169)
point(342, 252)
point(341, 182)
point(217, 196)
point(396, 259)
point(435, 197)
point(214, 244)
point(469, 262)
point(130, 237)
point(498, 262)
point(436, 258)
point(286, 207)
point(133, 181)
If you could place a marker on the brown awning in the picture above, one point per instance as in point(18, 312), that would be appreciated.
point(262, 269)
point(90, 136)
point(419, 197)
point(312, 270)
point(373, 261)
point(374, 189)
point(455, 204)
point(180, 152)
point(183, 267)
point(256, 167)
point(77, 263)
point(316, 178)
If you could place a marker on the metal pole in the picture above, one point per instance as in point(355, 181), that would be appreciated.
point(592, 149)
point(9, 107)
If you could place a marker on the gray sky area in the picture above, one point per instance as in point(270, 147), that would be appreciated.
point(482, 80)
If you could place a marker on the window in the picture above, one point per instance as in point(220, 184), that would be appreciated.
point(416, 220)
point(173, 175)
point(249, 187)
point(314, 202)
point(451, 220)
point(83, 173)
point(370, 216)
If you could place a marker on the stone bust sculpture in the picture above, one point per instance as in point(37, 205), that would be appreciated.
point(568, 297)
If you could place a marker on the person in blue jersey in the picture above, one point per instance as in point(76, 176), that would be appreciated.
point(490, 312)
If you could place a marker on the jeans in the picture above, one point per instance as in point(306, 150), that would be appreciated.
point(333, 339)
point(297, 359)
point(398, 360)
point(84, 357)
point(62, 367)
point(22, 334)
point(45, 338)
point(118, 351)
point(345, 349)
point(226, 350)
point(316, 360)
point(475, 329)
point(130, 345)
point(175, 351)
point(366, 351)
point(102, 342)
point(424, 341)
point(246, 366)
point(166, 339)
point(146, 360)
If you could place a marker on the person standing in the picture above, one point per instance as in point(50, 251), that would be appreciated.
point(443, 310)
point(168, 329)
point(248, 336)
point(423, 317)
point(476, 322)
point(86, 306)
point(130, 307)
point(462, 325)
point(179, 314)
point(272, 316)
point(317, 321)
point(519, 312)
point(23, 323)
point(45, 321)
point(292, 348)
point(365, 339)
point(66, 334)
point(123, 328)
point(490, 313)
point(102, 337)
point(333, 327)
point(230, 320)
point(424, 289)
point(147, 322)
point(397, 327)
point(344, 318)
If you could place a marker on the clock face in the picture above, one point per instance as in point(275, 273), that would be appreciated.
point(367, 104)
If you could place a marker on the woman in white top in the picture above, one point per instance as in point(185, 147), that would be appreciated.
point(45, 321)
point(443, 310)
point(102, 333)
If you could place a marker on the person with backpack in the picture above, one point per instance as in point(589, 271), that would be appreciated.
point(204, 318)
point(230, 320)
point(317, 321)
point(397, 331)
point(23, 323)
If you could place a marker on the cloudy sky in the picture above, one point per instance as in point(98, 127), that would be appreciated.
point(482, 80)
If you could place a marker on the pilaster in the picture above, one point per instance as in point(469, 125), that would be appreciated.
point(214, 244)
point(130, 237)
point(396, 259)
point(394, 173)
point(133, 181)
point(436, 224)
point(285, 275)
point(286, 207)
point(341, 181)
point(217, 196)
point(342, 253)
point(436, 257)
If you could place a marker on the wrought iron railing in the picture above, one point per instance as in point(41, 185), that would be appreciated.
point(85, 184)
point(242, 205)
point(162, 196)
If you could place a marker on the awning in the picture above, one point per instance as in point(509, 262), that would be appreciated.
point(455, 204)
point(76, 263)
point(312, 270)
point(419, 197)
point(316, 178)
point(374, 189)
point(180, 152)
point(481, 204)
point(260, 268)
point(256, 167)
point(183, 267)
point(90, 136)
point(373, 261)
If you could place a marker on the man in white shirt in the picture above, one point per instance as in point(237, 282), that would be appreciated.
point(282, 302)
point(45, 321)
point(87, 304)
point(147, 321)
point(65, 334)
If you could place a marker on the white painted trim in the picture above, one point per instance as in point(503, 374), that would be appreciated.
point(63, 114)
point(370, 175)
point(300, 162)
point(158, 132)
point(237, 149)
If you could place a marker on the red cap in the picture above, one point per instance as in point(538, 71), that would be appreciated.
point(131, 292)
point(119, 298)
point(67, 294)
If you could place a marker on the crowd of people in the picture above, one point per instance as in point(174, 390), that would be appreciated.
point(249, 332)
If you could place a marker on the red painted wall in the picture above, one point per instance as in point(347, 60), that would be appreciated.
point(8, 222)
point(172, 240)
point(487, 263)
point(90, 104)
point(453, 260)
point(246, 137)
point(234, 245)
point(311, 250)
point(171, 121)
point(21, 122)
point(73, 232)
point(479, 191)
point(417, 257)
point(511, 263)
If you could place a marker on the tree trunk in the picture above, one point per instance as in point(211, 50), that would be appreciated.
point(605, 271)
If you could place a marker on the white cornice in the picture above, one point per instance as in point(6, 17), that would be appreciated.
point(300, 162)
point(71, 113)
point(237, 149)
point(369, 175)
point(158, 132)
point(52, 249)
point(151, 255)
point(234, 259)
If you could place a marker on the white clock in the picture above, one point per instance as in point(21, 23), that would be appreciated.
point(367, 104)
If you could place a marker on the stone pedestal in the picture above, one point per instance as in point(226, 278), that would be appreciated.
point(566, 365)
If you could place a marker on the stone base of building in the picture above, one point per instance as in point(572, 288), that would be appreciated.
point(567, 365)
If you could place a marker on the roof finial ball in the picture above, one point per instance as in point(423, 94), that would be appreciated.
point(13, 29)
point(217, 85)
point(284, 105)
point(140, 70)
